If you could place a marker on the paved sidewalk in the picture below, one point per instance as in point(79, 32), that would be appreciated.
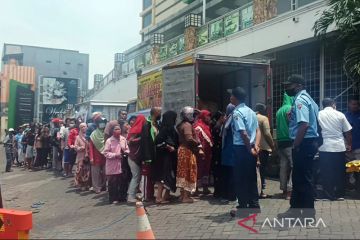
point(67, 213)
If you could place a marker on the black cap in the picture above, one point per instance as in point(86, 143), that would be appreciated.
point(295, 78)
point(238, 92)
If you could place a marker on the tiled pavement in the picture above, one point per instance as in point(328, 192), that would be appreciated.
point(69, 214)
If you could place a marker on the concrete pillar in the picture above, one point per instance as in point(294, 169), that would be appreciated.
point(192, 22)
point(157, 39)
point(264, 10)
point(190, 38)
point(155, 53)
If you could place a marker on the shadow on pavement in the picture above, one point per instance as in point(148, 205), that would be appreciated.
point(85, 193)
point(72, 190)
point(103, 200)
point(221, 218)
point(100, 195)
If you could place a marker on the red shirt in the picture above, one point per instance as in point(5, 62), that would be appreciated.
point(95, 155)
point(72, 136)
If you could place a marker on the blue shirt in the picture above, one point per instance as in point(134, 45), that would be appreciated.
point(304, 109)
point(354, 120)
point(18, 139)
point(244, 119)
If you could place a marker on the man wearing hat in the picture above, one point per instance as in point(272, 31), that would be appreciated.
point(9, 148)
point(246, 140)
point(303, 130)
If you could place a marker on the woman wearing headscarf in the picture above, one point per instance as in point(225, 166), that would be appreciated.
point(45, 144)
point(38, 148)
point(135, 156)
point(115, 149)
point(203, 132)
point(167, 143)
point(82, 177)
point(125, 128)
point(186, 174)
point(126, 171)
point(148, 135)
point(132, 121)
point(216, 126)
point(97, 159)
point(227, 157)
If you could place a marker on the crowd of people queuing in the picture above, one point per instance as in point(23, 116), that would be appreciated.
point(128, 157)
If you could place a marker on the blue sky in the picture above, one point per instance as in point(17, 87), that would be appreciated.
point(97, 27)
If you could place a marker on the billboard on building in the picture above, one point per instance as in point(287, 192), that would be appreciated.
point(149, 90)
point(24, 105)
point(21, 104)
point(58, 96)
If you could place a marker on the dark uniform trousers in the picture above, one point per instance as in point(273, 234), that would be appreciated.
point(302, 195)
point(245, 178)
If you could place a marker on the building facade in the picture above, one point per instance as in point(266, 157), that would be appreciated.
point(23, 75)
point(280, 32)
point(55, 67)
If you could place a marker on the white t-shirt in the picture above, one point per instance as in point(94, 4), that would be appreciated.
point(333, 124)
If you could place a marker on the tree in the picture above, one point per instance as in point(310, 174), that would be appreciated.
point(345, 15)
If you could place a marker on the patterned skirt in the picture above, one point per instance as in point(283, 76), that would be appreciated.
point(83, 175)
point(186, 175)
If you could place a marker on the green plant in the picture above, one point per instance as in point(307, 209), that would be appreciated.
point(345, 16)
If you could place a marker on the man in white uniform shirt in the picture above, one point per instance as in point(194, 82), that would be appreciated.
point(334, 126)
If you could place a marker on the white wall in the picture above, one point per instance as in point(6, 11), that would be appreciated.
point(119, 91)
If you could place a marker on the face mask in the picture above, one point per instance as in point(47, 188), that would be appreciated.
point(102, 125)
point(291, 92)
point(71, 125)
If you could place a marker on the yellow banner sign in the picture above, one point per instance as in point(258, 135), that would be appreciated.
point(150, 90)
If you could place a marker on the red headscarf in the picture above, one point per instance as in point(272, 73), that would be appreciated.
point(201, 122)
point(138, 126)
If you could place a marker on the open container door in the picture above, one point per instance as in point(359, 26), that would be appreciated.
point(178, 87)
point(216, 74)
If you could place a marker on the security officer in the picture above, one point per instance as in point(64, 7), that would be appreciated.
point(246, 140)
point(303, 130)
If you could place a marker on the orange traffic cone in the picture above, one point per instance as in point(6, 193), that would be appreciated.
point(144, 229)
